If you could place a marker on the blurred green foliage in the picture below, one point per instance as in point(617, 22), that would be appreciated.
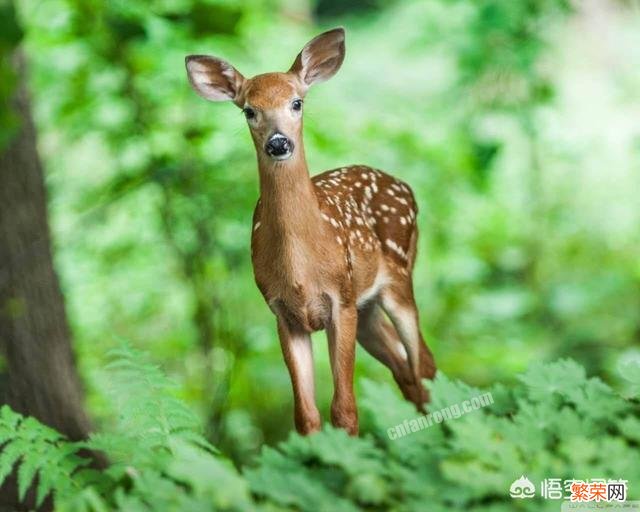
point(10, 37)
point(556, 423)
point(511, 121)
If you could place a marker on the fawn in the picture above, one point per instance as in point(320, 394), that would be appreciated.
point(332, 252)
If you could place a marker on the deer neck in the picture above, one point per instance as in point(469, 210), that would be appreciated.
point(289, 206)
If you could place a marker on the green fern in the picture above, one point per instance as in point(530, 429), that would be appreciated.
point(556, 423)
point(149, 416)
point(37, 450)
point(152, 425)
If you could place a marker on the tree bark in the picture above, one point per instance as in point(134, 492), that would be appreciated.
point(39, 376)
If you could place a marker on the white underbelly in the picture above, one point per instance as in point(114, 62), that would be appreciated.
point(372, 292)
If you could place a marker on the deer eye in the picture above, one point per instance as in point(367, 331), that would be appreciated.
point(249, 113)
point(296, 105)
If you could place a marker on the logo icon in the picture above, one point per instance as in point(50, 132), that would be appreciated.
point(522, 488)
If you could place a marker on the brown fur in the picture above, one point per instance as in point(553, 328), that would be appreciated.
point(269, 90)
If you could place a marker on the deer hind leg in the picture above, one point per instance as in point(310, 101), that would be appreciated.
point(378, 337)
point(399, 304)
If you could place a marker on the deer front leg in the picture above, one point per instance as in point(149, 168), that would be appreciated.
point(342, 345)
point(298, 355)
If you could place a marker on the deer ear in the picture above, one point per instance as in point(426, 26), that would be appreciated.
point(213, 78)
point(321, 57)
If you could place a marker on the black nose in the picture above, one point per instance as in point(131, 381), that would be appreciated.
point(278, 145)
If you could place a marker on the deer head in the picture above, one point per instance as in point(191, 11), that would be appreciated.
point(271, 102)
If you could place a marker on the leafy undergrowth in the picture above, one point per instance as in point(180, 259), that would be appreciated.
point(556, 423)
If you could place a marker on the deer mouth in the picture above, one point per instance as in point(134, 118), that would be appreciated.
point(286, 156)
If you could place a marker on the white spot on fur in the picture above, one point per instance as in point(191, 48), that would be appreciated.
point(395, 248)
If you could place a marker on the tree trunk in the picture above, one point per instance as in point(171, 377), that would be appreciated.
point(38, 374)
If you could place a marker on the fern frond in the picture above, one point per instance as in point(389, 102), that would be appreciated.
point(35, 449)
point(149, 416)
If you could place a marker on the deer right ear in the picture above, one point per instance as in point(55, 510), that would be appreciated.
point(213, 78)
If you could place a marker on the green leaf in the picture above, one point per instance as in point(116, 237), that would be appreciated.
point(26, 473)
point(9, 454)
point(564, 378)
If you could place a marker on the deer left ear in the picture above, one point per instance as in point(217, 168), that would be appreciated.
point(321, 57)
